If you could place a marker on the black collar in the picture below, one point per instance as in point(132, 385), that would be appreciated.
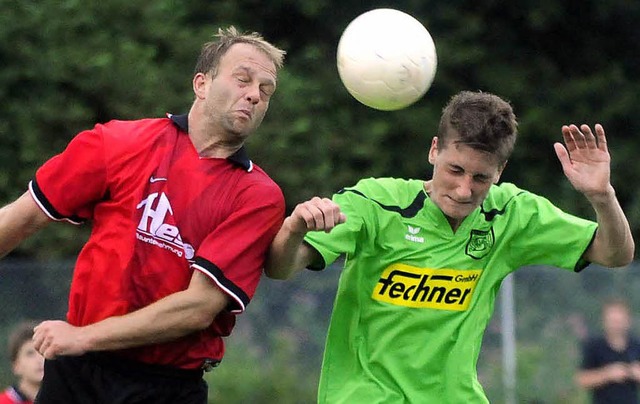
point(239, 158)
point(19, 393)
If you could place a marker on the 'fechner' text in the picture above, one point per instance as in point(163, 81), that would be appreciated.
point(443, 289)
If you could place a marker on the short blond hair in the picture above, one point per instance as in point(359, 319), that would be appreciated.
point(213, 51)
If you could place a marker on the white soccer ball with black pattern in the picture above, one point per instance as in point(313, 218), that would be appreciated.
point(386, 59)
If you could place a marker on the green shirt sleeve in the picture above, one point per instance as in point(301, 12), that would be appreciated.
point(551, 236)
point(344, 238)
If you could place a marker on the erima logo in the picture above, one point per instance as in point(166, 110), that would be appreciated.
point(411, 234)
point(441, 289)
point(153, 228)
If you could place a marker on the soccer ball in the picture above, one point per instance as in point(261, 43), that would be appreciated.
point(386, 59)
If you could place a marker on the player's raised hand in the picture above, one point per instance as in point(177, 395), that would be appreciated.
point(585, 159)
point(316, 214)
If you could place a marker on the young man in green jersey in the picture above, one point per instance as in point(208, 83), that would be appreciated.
point(425, 259)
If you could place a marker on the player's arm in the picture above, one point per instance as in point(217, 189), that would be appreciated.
point(634, 371)
point(613, 244)
point(187, 311)
point(172, 317)
point(586, 162)
point(288, 253)
point(19, 220)
point(617, 372)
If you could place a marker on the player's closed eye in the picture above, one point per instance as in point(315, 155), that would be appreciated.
point(456, 170)
point(267, 90)
point(483, 179)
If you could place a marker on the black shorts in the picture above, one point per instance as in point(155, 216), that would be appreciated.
point(104, 379)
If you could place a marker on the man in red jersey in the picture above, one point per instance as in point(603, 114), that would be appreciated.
point(181, 222)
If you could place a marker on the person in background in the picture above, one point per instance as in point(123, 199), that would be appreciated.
point(425, 258)
point(27, 366)
point(610, 367)
point(181, 223)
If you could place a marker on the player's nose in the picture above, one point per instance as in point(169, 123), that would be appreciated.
point(253, 94)
point(464, 189)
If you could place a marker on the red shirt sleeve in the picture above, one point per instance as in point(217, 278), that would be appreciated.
point(68, 185)
point(233, 255)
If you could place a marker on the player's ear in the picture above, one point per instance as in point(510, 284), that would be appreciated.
point(499, 174)
point(433, 150)
point(199, 85)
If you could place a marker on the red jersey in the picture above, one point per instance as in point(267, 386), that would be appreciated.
point(13, 396)
point(160, 211)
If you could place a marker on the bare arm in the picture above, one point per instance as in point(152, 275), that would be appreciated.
point(586, 162)
point(288, 254)
point(613, 245)
point(167, 319)
point(617, 372)
point(19, 220)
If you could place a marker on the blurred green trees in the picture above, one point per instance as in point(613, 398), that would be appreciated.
point(69, 64)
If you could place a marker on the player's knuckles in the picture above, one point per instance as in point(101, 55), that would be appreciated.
point(320, 223)
point(310, 220)
point(56, 350)
point(315, 201)
point(330, 205)
point(313, 209)
point(300, 209)
point(334, 212)
point(329, 223)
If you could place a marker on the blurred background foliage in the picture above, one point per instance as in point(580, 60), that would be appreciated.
point(68, 64)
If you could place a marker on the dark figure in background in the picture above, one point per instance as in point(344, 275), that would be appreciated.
point(611, 362)
point(27, 365)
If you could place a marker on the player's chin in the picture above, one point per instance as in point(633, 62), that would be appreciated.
point(459, 211)
point(245, 127)
point(241, 130)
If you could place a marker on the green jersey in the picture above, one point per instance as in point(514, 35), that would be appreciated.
point(414, 297)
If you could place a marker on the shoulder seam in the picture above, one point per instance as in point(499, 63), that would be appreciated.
point(489, 215)
point(408, 212)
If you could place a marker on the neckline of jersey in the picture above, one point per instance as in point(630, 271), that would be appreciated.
point(440, 220)
point(239, 158)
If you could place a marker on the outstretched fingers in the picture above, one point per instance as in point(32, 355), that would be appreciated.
point(578, 138)
point(585, 159)
point(602, 139)
point(583, 138)
point(589, 138)
point(567, 135)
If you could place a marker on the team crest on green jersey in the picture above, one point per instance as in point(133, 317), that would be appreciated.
point(480, 243)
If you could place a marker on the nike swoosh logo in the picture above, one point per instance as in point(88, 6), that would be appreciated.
point(153, 179)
